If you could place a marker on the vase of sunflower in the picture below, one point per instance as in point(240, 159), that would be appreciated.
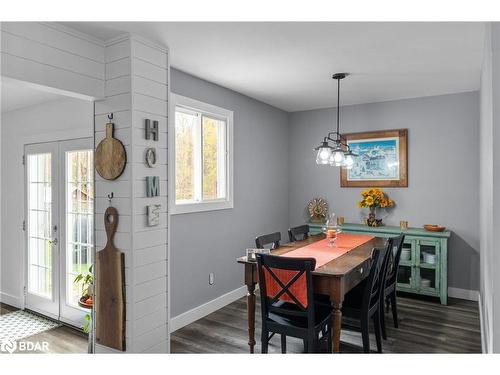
point(372, 199)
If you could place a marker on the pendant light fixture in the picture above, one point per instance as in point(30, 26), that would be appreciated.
point(333, 150)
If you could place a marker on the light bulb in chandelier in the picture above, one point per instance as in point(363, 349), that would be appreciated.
point(323, 155)
point(337, 158)
point(349, 161)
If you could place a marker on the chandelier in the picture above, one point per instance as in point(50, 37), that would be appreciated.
point(333, 150)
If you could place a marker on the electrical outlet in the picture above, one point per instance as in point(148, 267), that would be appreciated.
point(211, 278)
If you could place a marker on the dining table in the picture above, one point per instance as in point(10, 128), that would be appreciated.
point(334, 278)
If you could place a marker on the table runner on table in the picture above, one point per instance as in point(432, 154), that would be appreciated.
point(322, 253)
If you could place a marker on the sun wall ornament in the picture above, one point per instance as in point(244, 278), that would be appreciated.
point(318, 210)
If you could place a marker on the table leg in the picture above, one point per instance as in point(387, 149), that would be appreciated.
point(251, 316)
point(336, 326)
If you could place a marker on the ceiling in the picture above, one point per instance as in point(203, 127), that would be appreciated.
point(17, 95)
point(289, 65)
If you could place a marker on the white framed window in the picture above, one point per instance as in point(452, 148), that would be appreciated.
point(200, 156)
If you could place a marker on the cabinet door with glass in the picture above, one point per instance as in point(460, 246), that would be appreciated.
point(406, 270)
point(427, 265)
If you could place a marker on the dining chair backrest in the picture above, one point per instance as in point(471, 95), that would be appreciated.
point(298, 233)
point(272, 239)
point(375, 281)
point(284, 279)
point(392, 267)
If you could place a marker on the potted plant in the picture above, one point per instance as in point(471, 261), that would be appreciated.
point(86, 299)
point(372, 199)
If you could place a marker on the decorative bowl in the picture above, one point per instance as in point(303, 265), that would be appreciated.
point(434, 228)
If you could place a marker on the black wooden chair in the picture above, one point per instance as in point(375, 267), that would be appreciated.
point(298, 233)
point(391, 275)
point(296, 317)
point(272, 239)
point(362, 303)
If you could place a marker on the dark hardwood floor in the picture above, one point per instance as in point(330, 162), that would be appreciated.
point(425, 327)
point(62, 339)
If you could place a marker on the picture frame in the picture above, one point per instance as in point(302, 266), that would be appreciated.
point(382, 159)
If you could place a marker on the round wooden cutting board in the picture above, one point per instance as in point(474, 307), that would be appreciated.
point(110, 156)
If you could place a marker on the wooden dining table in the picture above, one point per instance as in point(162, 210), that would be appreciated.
point(334, 279)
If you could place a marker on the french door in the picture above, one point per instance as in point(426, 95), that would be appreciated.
point(59, 226)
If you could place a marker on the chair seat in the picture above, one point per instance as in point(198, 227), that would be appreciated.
point(322, 314)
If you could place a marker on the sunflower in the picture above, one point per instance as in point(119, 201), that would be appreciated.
point(369, 200)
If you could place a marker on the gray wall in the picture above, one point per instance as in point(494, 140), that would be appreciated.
point(443, 169)
point(211, 241)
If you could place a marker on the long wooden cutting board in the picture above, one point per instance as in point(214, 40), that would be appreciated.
point(110, 289)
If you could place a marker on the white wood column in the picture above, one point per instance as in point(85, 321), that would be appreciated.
point(136, 89)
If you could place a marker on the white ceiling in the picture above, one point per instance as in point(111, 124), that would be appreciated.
point(289, 65)
point(17, 95)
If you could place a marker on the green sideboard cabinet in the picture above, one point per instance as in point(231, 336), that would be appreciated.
point(423, 268)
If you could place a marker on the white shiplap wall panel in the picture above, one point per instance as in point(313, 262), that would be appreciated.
point(149, 322)
point(144, 342)
point(112, 104)
point(121, 188)
point(149, 271)
point(148, 305)
point(17, 67)
point(136, 89)
point(150, 71)
point(150, 104)
point(149, 255)
point(118, 68)
point(150, 88)
point(117, 50)
point(53, 56)
point(122, 120)
point(149, 289)
point(58, 37)
point(152, 55)
point(34, 51)
point(118, 85)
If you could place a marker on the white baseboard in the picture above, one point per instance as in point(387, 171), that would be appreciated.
point(471, 295)
point(199, 312)
point(11, 300)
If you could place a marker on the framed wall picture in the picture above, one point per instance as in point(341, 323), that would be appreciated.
point(382, 159)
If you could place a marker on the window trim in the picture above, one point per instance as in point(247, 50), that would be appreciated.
point(217, 112)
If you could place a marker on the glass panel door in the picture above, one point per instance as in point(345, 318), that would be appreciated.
point(42, 228)
point(77, 213)
point(60, 226)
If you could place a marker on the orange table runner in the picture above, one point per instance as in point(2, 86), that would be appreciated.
point(322, 253)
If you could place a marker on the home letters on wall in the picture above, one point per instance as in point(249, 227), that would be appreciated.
point(382, 159)
point(152, 186)
point(151, 157)
point(151, 130)
point(153, 214)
